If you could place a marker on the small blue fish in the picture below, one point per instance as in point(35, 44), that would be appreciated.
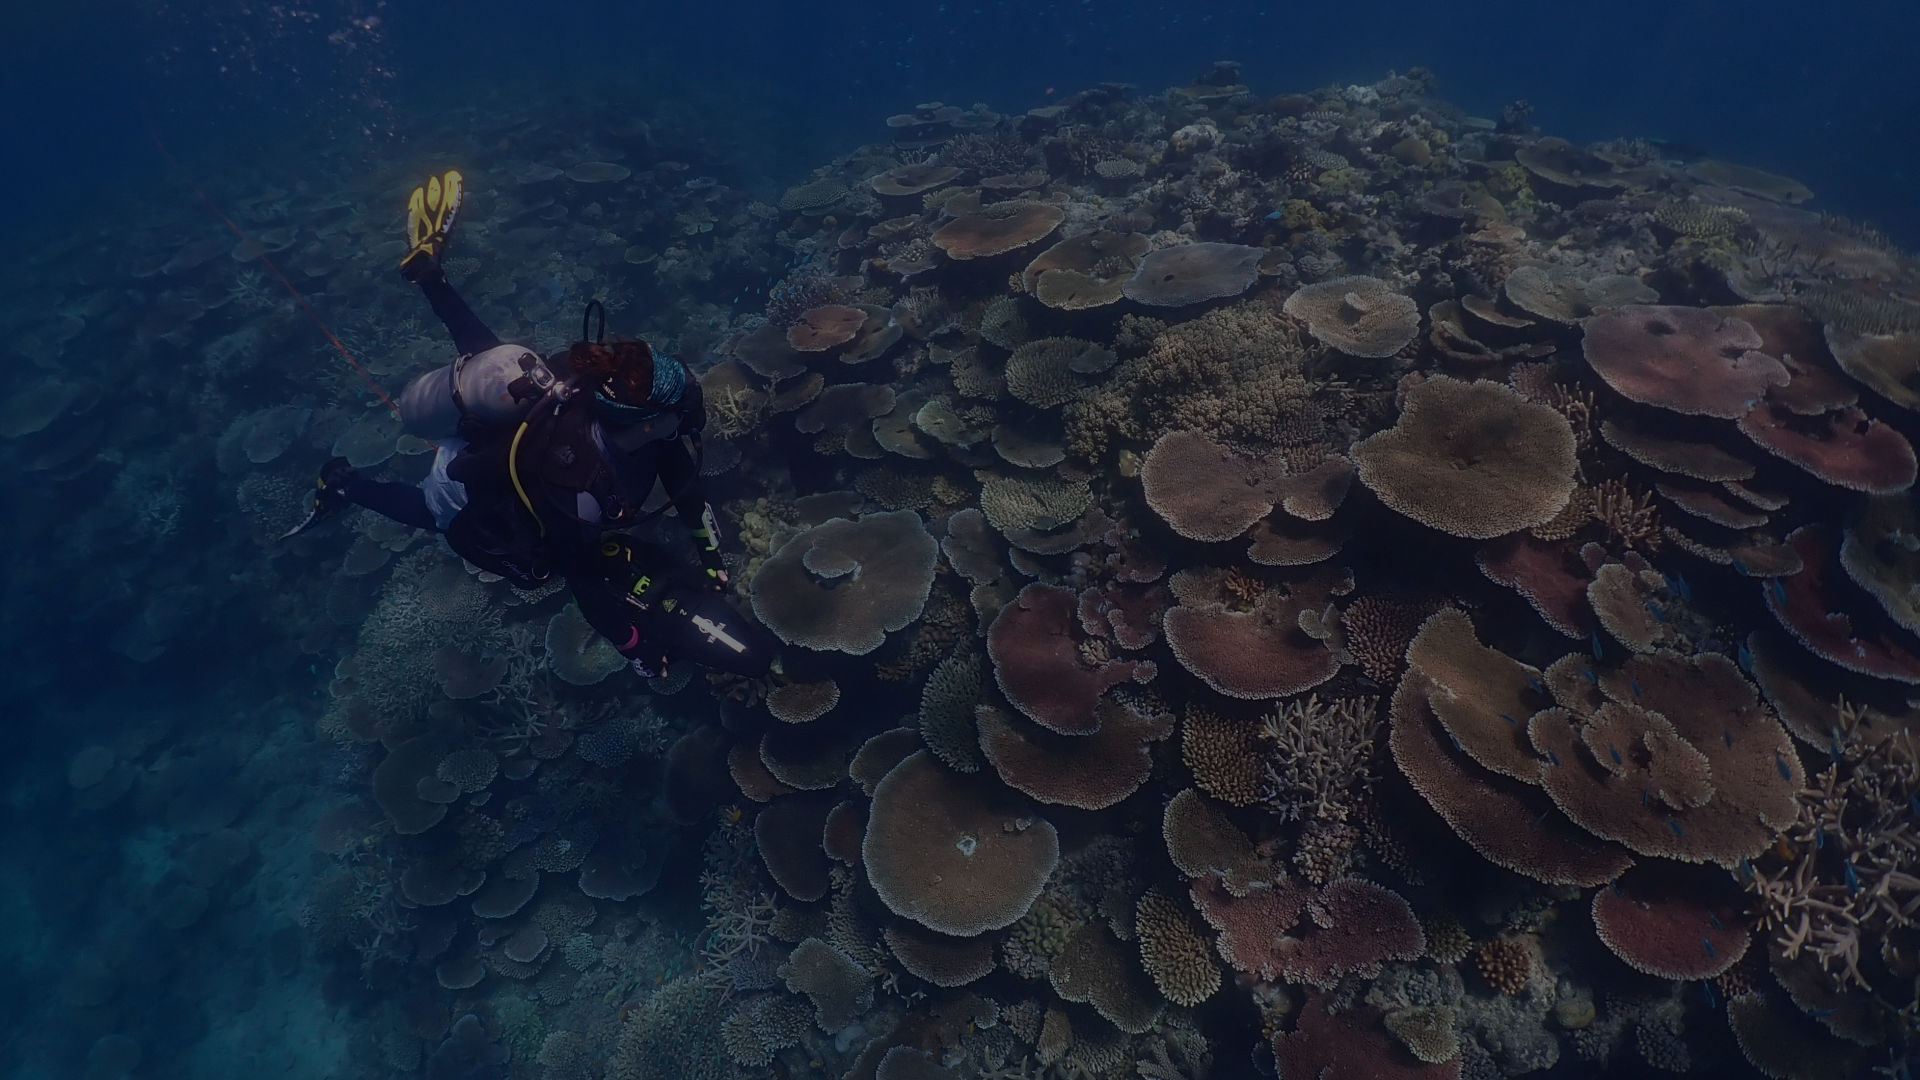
point(1745, 870)
point(1726, 734)
point(1853, 879)
point(1819, 840)
point(1715, 920)
point(1675, 826)
point(1273, 215)
point(1508, 717)
point(1713, 1002)
point(1833, 744)
point(1456, 742)
point(1741, 568)
point(1596, 645)
point(1536, 685)
point(1646, 796)
point(1745, 658)
point(1778, 590)
point(1781, 764)
point(1659, 614)
point(1552, 758)
point(1542, 819)
point(1615, 751)
point(1680, 586)
point(1707, 945)
point(1591, 677)
point(1633, 684)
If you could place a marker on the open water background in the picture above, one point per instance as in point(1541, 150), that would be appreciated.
point(1826, 94)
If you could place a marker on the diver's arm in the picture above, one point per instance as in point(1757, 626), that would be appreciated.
point(680, 475)
point(679, 470)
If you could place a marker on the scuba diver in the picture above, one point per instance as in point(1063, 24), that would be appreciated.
point(542, 465)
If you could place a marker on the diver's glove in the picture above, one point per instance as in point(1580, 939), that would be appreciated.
point(706, 539)
point(431, 211)
point(330, 490)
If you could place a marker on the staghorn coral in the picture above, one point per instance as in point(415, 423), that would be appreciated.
point(1319, 755)
point(1847, 874)
point(1629, 517)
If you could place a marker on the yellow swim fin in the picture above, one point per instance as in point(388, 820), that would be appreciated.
point(431, 210)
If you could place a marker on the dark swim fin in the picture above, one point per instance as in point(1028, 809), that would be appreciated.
point(431, 211)
point(315, 516)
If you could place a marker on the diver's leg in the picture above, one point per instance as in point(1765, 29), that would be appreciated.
point(626, 627)
point(404, 503)
point(470, 335)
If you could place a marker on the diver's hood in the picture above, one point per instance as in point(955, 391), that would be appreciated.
point(476, 385)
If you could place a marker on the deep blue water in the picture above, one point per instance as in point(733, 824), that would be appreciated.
point(1826, 95)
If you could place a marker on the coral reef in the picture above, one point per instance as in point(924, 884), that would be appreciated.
point(1039, 441)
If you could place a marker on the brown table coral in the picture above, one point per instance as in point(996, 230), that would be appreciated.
point(1472, 459)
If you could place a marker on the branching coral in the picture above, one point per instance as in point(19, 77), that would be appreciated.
point(1320, 756)
point(1844, 886)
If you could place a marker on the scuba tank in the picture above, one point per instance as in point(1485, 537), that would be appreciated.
point(477, 386)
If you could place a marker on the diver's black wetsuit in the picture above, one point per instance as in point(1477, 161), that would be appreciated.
point(628, 591)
